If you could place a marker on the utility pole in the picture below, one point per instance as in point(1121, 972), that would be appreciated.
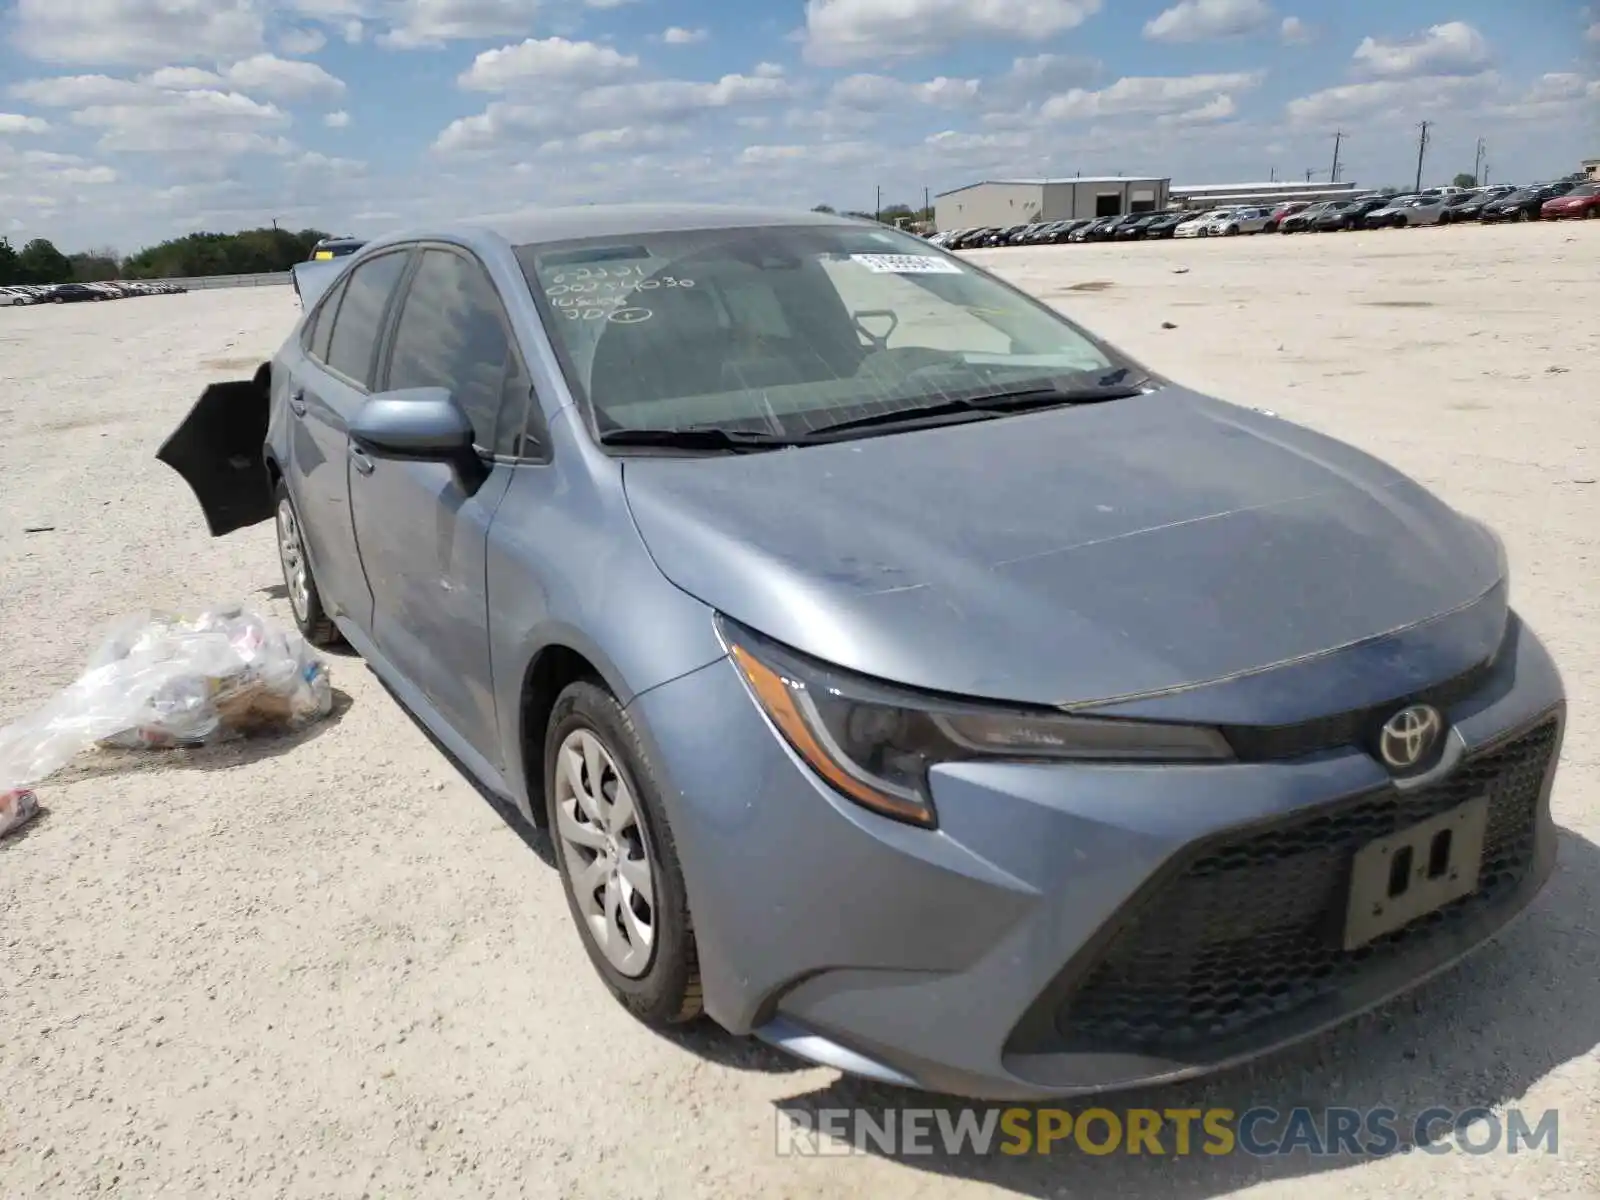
point(1477, 162)
point(927, 206)
point(1272, 174)
point(1333, 175)
point(1422, 150)
point(1310, 171)
point(877, 204)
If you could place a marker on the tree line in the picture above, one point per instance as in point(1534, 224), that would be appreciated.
point(248, 252)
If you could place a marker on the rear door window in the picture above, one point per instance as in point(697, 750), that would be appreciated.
point(359, 321)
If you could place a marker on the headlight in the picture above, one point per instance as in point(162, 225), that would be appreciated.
point(874, 742)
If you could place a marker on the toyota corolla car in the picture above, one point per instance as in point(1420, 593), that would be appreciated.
point(904, 675)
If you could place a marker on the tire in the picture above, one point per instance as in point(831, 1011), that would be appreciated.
point(305, 602)
point(1444, 218)
point(1592, 212)
point(1231, 231)
point(658, 984)
point(58, 299)
point(1524, 215)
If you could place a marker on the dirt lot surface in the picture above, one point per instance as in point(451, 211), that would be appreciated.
point(327, 968)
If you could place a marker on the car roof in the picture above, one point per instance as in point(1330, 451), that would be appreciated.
point(619, 220)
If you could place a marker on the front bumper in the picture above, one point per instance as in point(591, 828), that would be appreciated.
point(1073, 930)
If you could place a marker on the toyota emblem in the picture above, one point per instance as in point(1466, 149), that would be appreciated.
point(1409, 736)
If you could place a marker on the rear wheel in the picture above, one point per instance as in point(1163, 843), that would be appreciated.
point(304, 600)
point(618, 859)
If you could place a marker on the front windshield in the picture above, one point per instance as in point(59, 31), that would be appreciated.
point(788, 329)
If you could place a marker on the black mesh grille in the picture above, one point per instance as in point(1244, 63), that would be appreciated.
point(1251, 930)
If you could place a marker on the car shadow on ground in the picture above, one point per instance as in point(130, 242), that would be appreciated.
point(703, 1038)
point(1481, 1035)
point(219, 756)
point(533, 838)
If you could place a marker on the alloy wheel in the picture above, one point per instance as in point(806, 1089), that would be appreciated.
point(292, 554)
point(610, 865)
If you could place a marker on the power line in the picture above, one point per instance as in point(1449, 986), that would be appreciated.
point(1422, 149)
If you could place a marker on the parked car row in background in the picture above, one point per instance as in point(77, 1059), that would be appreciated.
point(74, 293)
point(1434, 206)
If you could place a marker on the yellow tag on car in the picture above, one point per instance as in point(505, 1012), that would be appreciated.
point(322, 255)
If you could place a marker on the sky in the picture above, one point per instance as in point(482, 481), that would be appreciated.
point(126, 122)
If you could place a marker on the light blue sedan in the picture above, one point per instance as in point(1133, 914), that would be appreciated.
point(903, 675)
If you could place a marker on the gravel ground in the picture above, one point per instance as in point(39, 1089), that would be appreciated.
point(327, 968)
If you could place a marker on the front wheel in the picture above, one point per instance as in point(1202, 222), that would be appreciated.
point(304, 600)
point(1524, 215)
point(1591, 212)
point(1444, 218)
point(618, 859)
point(1232, 231)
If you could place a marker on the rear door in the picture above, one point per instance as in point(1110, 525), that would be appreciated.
point(326, 389)
point(422, 531)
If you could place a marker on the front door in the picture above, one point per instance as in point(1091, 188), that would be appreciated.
point(423, 529)
point(327, 387)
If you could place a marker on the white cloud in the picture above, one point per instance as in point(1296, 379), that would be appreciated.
point(610, 106)
point(1388, 99)
point(1047, 72)
point(1148, 95)
point(1454, 48)
point(182, 79)
point(676, 35)
point(76, 91)
point(186, 118)
point(301, 41)
point(840, 32)
point(1218, 108)
point(830, 154)
point(1295, 32)
point(429, 24)
point(874, 93)
point(1201, 20)
point(1593, 32)
point(137, 32)
point(336, 120)
point(622, 140)
point(16, 123)
point(313, 160)
point(1552, 97)
point(283, 79)
point(544, 64)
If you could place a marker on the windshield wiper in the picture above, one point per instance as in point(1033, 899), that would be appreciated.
point(702, 438)
point(1110, 387)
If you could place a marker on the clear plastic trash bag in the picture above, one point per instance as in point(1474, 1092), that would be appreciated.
point(164, 680)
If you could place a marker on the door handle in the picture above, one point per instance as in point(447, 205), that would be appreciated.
point(358, 456)
point(297, 402)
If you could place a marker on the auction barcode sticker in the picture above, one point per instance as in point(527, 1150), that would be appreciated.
point(906, 264)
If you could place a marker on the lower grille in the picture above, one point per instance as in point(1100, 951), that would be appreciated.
point(1250, 931)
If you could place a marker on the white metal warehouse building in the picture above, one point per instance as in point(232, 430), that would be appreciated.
point(1019, 201)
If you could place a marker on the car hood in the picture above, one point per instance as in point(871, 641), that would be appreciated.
point(1068, 556)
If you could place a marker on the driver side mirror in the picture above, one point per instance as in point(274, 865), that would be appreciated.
point(421, 424)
